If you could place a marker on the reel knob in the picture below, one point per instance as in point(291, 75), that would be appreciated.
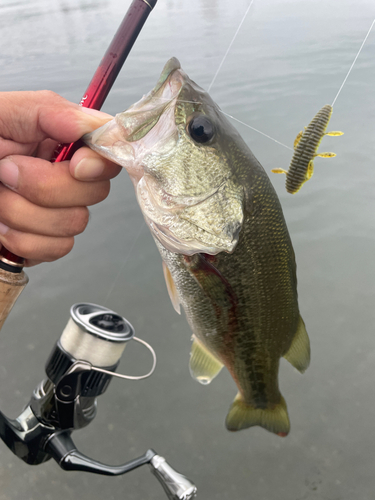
point(176, 486)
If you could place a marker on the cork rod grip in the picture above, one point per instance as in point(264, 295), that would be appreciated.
point(11, 285)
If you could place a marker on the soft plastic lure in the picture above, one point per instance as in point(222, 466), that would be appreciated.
point(306, 145)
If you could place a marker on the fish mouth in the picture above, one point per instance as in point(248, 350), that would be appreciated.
point(146, 126)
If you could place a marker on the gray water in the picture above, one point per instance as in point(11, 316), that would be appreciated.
point(289, 59)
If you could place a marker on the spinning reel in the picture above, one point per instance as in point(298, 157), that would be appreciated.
point(79, 369)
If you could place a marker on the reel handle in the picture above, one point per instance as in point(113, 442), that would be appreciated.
point(62, 449)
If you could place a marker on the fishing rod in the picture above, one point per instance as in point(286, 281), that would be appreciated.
point(85, 358)
point(12, 278)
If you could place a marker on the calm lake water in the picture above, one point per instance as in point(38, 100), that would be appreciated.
point(288, 60)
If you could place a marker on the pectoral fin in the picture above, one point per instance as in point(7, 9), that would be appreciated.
point(242, 415)
point(171, 287)
point(298, 354)
point(204, 366)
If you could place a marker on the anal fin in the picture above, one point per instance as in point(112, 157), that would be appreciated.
point(204, 366)
point(171, 287)
point(298, 354)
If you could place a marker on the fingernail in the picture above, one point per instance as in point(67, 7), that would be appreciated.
point(3, 228)
point(89, 169)
point(9, 173)
point(96, 113)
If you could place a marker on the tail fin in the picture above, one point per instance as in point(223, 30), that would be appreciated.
point(242, 416)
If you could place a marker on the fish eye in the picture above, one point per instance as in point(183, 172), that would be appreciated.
point(201, 129)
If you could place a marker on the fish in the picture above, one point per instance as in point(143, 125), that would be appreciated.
point(217, 222)
point(306, 146)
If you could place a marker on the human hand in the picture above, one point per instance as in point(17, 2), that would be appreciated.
point(44, 205)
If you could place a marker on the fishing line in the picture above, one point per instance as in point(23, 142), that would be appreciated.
point(230, 45)
point(256, 130)
point(218, 70)
point(353, 63)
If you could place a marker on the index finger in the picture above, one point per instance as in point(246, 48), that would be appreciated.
point(31, 117)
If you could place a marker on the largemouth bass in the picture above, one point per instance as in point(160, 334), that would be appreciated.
point(219, 227)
